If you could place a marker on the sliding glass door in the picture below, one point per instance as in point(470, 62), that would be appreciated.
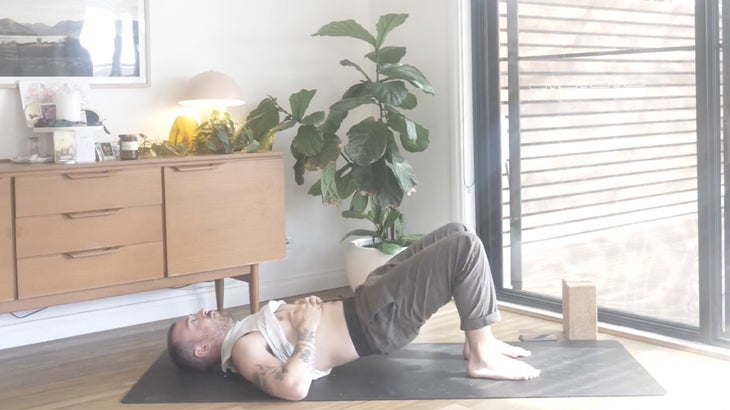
point(598, 157)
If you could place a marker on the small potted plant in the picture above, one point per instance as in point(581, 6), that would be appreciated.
point(369, 169)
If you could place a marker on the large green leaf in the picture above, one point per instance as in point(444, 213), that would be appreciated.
point(299, 168)
point(387, 23)
point(316, 188)
point(392, 92)
point(331, 149)
point(308, 141)
point(347, 104)
point(266, 141)
point(357, 90)
point(376, 214)
point(346, 28)
point(410, 102)
point(390, 193)
point(353, 215)
point(367, 141)
point(300, 102)
point(411, 130)
point(262, 118)
point(413, 136)
point(420, 143)
point(360, 232)
point(403, 171)
point(333, 121)
point(345, 182)
point(314, 118)
point(404, 126)
point(387, 55)
point(348, 63)
point(212, 146)
point(370, 179)
point(394, 217)
point(359, 203)
point(410, 74)
point(389, 248)
point(392, 226)
point(328, 186)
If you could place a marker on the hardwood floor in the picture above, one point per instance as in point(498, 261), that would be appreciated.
point(95, 371)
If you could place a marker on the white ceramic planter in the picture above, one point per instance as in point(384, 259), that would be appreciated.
point(360, 260)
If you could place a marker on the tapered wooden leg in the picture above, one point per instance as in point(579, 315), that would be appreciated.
point(219, 293)
point(253, 288)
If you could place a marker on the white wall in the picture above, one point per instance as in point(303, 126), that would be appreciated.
point(266, 45)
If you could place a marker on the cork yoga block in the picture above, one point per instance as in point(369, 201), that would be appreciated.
point(579, 310)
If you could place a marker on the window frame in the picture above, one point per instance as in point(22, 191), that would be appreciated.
point(488, 168)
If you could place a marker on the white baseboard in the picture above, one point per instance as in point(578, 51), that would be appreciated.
point(75, 319)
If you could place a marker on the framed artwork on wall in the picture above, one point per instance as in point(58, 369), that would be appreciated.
point(105, 42)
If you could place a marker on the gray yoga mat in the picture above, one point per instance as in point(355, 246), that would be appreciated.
point(424, 371)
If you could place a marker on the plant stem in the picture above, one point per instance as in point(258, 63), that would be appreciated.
point(280, 108)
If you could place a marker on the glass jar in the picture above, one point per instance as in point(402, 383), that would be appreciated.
point(128, 146)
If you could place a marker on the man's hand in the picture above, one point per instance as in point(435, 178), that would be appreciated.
point(311, 300)
point(306, 315)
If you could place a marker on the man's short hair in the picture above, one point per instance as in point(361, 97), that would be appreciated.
point(182, 353)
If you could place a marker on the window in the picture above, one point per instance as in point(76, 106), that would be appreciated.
point(595, 157)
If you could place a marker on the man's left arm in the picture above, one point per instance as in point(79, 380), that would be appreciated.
point(289, 380)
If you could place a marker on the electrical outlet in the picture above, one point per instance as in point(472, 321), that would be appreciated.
point(289, 241)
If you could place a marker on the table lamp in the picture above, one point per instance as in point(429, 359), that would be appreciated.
point(212, 89)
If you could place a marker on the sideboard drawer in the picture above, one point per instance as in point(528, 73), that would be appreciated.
point(75, 231)
point(67, 272)
point(223, 215)
point(87, 190)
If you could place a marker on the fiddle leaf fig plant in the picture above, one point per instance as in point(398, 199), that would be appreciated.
point(368, 169)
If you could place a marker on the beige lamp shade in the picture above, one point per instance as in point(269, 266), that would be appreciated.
point(212, 89)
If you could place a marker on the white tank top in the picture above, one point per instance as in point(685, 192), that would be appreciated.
point(266, 323)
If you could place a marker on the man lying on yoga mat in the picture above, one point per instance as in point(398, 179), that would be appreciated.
point(283, 347)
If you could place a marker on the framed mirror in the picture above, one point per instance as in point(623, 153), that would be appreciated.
point(103, 41)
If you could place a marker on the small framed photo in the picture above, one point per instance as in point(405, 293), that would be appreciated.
point(48, 111)
point(64, 148)
point(105, 151)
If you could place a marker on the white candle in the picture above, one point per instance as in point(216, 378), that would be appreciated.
point(68, 105)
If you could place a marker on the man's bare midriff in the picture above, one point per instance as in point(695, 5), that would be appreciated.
point(333, 343)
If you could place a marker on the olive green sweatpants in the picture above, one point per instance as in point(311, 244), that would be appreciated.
point(397, 298)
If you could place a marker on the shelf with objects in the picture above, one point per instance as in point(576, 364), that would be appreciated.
point(64, 128)
point(70, 144)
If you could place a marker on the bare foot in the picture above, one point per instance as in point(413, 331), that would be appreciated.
point(500, 347)
point(500, 367)
point(509, 350)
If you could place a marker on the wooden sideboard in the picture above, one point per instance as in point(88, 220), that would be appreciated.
point(85, 231)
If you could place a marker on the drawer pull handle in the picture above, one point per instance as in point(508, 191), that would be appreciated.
point(193, 168)
point(93, 252)
point(89, 175)
point(92, 214)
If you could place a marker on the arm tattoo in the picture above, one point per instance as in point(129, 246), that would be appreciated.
point(260, 378)
point(304, 349)
point(306, 335)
